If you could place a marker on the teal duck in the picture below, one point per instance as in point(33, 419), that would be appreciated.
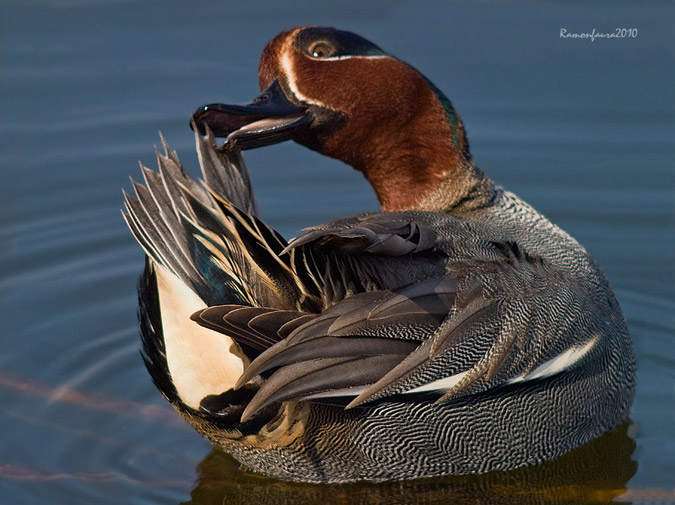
point(456, 331)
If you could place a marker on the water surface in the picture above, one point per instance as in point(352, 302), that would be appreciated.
point(582, 130)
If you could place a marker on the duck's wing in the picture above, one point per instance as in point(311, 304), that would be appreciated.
point(208, 234)
point(478, 323)
point(338, 352)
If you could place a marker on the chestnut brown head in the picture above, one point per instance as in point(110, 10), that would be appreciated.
point(341, 95)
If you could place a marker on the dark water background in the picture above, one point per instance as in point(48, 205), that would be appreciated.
point(582, 130)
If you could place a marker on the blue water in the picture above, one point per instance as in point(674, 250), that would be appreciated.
point(582, 130)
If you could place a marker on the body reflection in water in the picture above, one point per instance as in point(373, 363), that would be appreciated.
point(596, 473)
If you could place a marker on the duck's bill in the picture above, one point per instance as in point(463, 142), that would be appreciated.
point(268, 119)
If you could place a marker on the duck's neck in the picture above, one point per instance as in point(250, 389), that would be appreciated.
point(410, 144)
point(421, 177)
point(421, 168)
point(414, 154)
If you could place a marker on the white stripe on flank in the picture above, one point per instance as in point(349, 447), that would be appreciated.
point(201, 361)
point(561, 362)
point(353, 391)
point(553, 366)
point(439, 385)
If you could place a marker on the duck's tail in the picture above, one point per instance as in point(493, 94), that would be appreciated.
point(207, 234)
point(205, 247)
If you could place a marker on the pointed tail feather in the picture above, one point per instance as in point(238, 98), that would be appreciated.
point(208, 235)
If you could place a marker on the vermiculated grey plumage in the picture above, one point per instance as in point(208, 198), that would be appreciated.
point(351, 324)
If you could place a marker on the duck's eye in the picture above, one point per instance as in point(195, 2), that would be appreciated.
point(321, 50)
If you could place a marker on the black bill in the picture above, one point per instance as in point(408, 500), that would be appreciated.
point(268, 119)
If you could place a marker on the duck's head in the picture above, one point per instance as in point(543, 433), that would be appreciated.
point(343, 96)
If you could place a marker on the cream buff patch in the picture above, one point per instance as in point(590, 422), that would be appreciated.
point(201, 362)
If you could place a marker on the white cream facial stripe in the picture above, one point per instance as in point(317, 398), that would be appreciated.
point(354, 57)
point(288, 69)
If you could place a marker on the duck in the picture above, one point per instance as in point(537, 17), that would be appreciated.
point(455, 331)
